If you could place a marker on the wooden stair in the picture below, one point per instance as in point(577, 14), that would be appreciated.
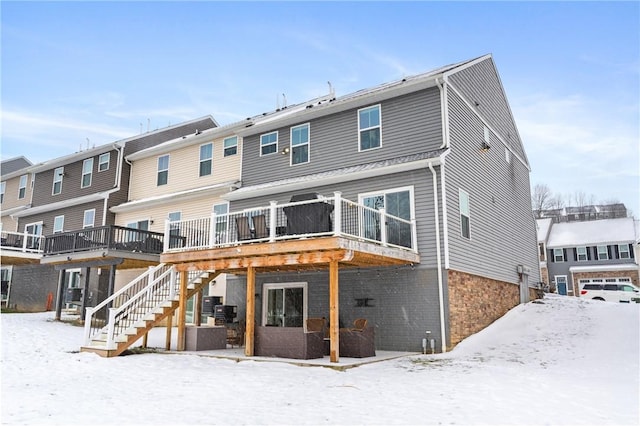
point(152, 319)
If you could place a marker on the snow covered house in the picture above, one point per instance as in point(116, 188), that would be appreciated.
point(590, 251)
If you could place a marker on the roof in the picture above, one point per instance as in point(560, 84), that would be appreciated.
point(592, 232)
point(361, 171)
point(543, 226)
point(13, 165)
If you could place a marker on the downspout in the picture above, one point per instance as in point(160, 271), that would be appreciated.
point(438, 259)
point(444, 111)
point(445, 220)
point(116, 184)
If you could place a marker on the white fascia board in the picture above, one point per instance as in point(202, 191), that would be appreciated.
point(144, 203)
point(72, 158)
point(314, 180)
point(13, 210)
point(64, 204)
point(604, 268)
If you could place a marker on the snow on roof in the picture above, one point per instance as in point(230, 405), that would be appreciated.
point(543, 226)
point(591, 232)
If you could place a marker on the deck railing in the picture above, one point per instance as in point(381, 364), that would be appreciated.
point(301, 219)
point(22, 242)
point(104, 237)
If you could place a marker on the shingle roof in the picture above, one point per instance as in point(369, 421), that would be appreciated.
point(592, 232)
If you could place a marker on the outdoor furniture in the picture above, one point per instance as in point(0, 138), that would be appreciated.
point(244, 231)
point(235, 334)
point(308, 218)
point(358, 341)
point(260, 229)
point(288, 342)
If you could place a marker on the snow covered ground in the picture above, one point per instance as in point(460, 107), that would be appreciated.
point(566, 361)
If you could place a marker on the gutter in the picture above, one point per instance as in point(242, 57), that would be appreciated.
point(444, 111)
point(438, 259)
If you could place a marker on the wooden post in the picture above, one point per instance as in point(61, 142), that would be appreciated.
point(182, 315)
point(251, 311)
point(334, 335)
point(167, 343)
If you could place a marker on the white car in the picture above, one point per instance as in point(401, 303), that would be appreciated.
point(624, 293)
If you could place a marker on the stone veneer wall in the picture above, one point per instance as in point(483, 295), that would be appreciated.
point(475, 302)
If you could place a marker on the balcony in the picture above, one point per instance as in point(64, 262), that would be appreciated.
point(18, 248)
point(103, 244)
point(309, 230)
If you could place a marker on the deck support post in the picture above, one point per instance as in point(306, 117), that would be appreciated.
point(334, 320)
point(182, 310)
point(251, 312)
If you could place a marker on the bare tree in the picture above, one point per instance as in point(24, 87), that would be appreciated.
point(540, 198)
point(557, 202)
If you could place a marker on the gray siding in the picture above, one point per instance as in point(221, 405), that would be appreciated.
point(410, 124)
point(158, 136)
point(404, 301)
point(503, 232)
point(481, 83)
point(73, 217)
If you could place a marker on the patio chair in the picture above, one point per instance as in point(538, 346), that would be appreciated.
point(242, 225)
point(260, 226)
point(358, 341)
point(318, 324)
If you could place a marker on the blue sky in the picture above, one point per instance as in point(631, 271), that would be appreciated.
point(103, 71)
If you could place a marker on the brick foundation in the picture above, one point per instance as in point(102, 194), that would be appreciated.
point(475, 302)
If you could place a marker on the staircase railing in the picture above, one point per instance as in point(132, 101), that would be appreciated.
point(134, 302)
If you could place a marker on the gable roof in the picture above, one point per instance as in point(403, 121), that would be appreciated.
point(543, 227)
point(592, 232)
point(13, 165)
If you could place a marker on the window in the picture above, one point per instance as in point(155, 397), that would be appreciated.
point(507, 155)
point(268, 143)
point(230, 146)
point(57, 180)
point(300, 144)
point(369, 128)
point(34, 230)
point(396, 202)
point(623, 251)
point(87, 172)
point(206, 159)
point(558, 255)
point(103, 161)
point(284, 305)
point(221, 221)
point(89, 218)
point(163, 170)
point(3, 186)
point(22, 187)
point(174, 229)
point(487, 135)
point(603, 253)
point(465, 215)
point(58, 224)
point(142, 225)
point(581, 254)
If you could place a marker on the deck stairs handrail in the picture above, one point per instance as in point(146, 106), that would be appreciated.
point(120, 320)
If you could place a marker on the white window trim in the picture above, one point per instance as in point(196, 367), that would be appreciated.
point(468, 216)
point(101, 162)
point(84, 219)
point(61, 229)
point(586, 256)
point(379, 126)
point(384, 192)
point(566, 281)
point(57, 175)
point(555, 256)
point(271, 286)
point(308, 143)
point(206, 159)
point(3, 188)
point(269, 144)
point(626, 250)
point(606, 252)
point(162, 170)
point(90, 173)
point(22, 186)
point(235, 145)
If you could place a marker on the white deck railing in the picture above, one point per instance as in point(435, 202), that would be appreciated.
point(21, 242)
point(303, 219)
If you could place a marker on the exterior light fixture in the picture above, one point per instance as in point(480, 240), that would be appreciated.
point(484, 147)
point(285, 151)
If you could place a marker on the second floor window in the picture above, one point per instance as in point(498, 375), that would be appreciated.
point(300, 144)
point(58, 224)
point(163, 170)
point(230, 146)
point(22, 187)
point(369, 129)
point(57, 180)
point(268, 143)
point(206, 159)
point(3, 186)
point(558, 255)
point(87, 172)
point(103, 161)
point(581, 254)
point(603, 253)
point(89, 218)
point(623, 251)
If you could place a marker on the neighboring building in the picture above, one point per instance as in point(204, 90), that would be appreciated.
point(544, 227)
point(591, 251)
point(75, 193)
point(582, 213)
